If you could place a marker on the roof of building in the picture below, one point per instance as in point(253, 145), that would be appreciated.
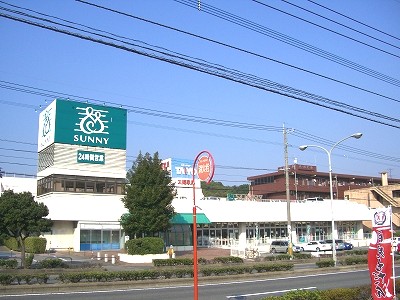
point(312, 170)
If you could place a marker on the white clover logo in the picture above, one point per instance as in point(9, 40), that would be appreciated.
point(46, 123)
point(92, 121)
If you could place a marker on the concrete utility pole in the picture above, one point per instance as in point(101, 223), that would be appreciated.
point(289, 217)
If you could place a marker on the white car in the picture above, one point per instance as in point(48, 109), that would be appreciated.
point(316, 246)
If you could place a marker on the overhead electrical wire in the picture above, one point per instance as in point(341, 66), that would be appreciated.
point(289, 40)
point(219, 71)
point(330, 30)
point(277, 85)
point(233, 47)
point(202, 119)
point(295, 132)
point(140, 110)
point(354, 20)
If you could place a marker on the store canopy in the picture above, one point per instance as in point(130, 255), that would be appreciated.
point(187, 218)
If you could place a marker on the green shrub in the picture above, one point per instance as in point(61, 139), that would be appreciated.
point(42, 278)
point(35, 244)
point(277, 257)
point(298, 295)
point(358, 293)
point(228, 260)
point(71, 277)
point(146, 245)
point(12, 244)
point(302, 255)
point(355, 260)
point(52, 263)
point(29, 259)
point(325, 263)
point(202, 261)
point(173, 262)
point(24, 277)
point(358, 252)
point(6, 279)
point(8, 264)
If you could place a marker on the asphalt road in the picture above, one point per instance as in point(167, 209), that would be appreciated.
point(244, 289)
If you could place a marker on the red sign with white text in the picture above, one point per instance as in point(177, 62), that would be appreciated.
point(380, 260)
point(205, 168)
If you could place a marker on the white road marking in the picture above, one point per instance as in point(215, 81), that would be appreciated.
point(272, 292)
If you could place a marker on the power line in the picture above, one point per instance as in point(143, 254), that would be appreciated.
point(364, 24)
point(219, 122)
point(223, 72)
point(235, 48)
point(330, 30)
point(289, 40)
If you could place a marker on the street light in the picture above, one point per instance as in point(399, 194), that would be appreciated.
point(329, 152)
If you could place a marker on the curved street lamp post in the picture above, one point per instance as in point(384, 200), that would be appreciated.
point(329, 152)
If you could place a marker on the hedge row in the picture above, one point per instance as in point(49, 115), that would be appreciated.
point(300, 255)
point(8, 264)
point(104, 276)
point(7, 279)
point(202, 261)
point(165, 274)
point(359, 293)
point(355, 260)
point(32, 244)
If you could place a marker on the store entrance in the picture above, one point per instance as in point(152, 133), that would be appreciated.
point(100, 239)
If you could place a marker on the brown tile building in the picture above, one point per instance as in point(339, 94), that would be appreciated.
point(306, 182)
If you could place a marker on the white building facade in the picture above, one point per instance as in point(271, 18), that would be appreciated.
point(81, 174)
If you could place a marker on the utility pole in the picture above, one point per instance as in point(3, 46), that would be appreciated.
point(289, 218)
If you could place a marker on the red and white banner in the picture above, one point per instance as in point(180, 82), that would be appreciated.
point(380, 260)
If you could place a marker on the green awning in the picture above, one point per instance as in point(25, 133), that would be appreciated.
point(187, 218)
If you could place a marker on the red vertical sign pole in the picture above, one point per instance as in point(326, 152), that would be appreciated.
point(380, 261)
point(205, 171)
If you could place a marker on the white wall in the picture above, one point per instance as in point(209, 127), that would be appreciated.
point(18, 184)
point(62, 235)
point(88, 207)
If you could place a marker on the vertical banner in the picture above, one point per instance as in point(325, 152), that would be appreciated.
point(380, 262)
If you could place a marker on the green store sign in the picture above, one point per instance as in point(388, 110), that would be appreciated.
point(90, 157)
point(77, 123)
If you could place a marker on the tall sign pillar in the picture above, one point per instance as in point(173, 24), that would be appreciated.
point(204, 166)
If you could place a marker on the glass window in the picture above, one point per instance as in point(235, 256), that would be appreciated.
point(69, 186)
point(80, 187)
point(90, 186)
point(100, 187)
point(110, 187)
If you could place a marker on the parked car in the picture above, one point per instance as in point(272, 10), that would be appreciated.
point(296, 248)
point(279, 246)
point(282, 247)
point(339, 244)
point(348, 246)
point(316, 246)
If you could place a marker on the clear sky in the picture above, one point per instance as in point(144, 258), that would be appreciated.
point(179, 111)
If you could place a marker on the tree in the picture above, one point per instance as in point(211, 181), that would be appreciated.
point(148, 198)
point(21, 216)
point(215, 188)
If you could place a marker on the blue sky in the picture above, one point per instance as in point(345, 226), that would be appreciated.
point(36, 59)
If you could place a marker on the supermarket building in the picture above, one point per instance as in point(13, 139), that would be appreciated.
point(82, 172)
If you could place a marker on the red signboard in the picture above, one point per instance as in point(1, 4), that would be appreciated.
point(380, 260)
point(205, 167)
